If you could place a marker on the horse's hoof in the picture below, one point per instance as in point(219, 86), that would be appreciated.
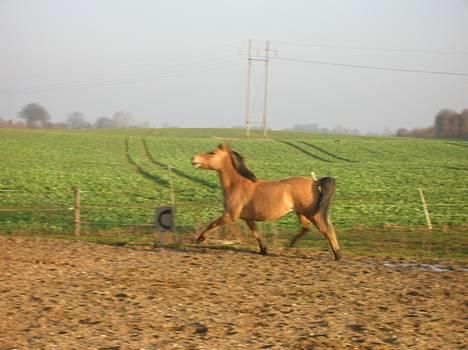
point(263, 251)
point(337, 256)
point(199, 240)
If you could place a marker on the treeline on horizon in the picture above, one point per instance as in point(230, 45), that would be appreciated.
point(447, 124)
point(36, 116)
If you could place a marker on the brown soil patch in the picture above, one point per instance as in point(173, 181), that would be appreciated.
point(71, 295)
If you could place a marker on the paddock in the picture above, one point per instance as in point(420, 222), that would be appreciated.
point(57, 294)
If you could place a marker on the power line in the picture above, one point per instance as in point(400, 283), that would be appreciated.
point(138, 74)
point(205, 65)
point(349, 65)
point(382, 49)
point(146, 61)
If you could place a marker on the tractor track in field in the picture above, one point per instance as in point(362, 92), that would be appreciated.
point(57, 294)
point(320, 149)
point(458, 144)
point(176, 171)
point(138, 169)
point(305, 152)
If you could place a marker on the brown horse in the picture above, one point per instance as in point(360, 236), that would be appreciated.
point(253, 200)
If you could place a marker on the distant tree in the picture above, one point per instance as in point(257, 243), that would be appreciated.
point(76, 120)
point(316, 128)
point(419, 132)
point(12, 124)
point(424, 132)
point(402, 132)
point(388, 132)
point(338, 129)
point(123, 119)
point(447, 124)
point(4, 123)
point(464, 123)
point(306, 127)
point(57, 125)
point(104, 123)
point(35, 115)
point(143, 125)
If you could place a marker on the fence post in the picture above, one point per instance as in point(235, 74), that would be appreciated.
point(426, 211)
point(76, 211)
point(173, 202)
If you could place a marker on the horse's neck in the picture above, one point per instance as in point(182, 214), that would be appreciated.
point(230, 179)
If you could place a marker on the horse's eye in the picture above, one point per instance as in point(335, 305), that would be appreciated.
point(211, 153)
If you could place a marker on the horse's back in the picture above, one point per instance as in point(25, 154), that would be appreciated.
point(298, 181)
point(303, 189)
point(289, 185)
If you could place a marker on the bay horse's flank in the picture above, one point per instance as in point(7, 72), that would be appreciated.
point(253, 200)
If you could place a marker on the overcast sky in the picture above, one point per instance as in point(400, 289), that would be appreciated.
point(178, 62)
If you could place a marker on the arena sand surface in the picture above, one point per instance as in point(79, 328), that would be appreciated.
point(72, 295)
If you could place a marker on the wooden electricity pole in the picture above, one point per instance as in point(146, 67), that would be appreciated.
point(265, 89)
point(247, 105)
point(265, 58)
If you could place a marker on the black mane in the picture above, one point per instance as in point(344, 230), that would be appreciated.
point(239, 165)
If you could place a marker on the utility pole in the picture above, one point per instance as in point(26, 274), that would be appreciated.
point(265, 58)
point(249, 72)
point(265, 89)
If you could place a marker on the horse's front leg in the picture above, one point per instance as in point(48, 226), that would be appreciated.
point(224, 219)
point(258, 236)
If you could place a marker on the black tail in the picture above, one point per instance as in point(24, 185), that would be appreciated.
point(327, 190)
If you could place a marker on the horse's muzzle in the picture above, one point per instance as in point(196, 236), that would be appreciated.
point(196, 163)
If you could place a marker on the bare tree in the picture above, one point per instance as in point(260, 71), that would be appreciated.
point(104, 123)
point(403, 132)
point(123, 119)
point(464, 123)
point(76, 120)
point(11, 124)
point(35, 115)
point(447, 123)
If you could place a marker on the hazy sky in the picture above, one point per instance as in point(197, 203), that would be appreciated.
point(178, 61)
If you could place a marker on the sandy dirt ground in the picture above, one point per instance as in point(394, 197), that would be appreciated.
point(73, 295)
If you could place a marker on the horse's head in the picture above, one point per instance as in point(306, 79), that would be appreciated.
point(212, 160)
point(221, 157)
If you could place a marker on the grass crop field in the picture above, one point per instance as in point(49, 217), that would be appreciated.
point(124, 174)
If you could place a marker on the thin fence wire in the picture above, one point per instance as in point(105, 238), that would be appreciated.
point(380, 209)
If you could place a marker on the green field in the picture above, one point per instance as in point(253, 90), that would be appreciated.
point(123, 175)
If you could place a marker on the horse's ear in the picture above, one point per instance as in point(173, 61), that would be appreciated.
point(223, 146)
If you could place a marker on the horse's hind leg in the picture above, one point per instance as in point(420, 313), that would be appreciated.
point(329, 233)
point(258, 236)
point(305, 223)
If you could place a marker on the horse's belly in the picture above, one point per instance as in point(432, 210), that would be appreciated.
point(265, 211)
